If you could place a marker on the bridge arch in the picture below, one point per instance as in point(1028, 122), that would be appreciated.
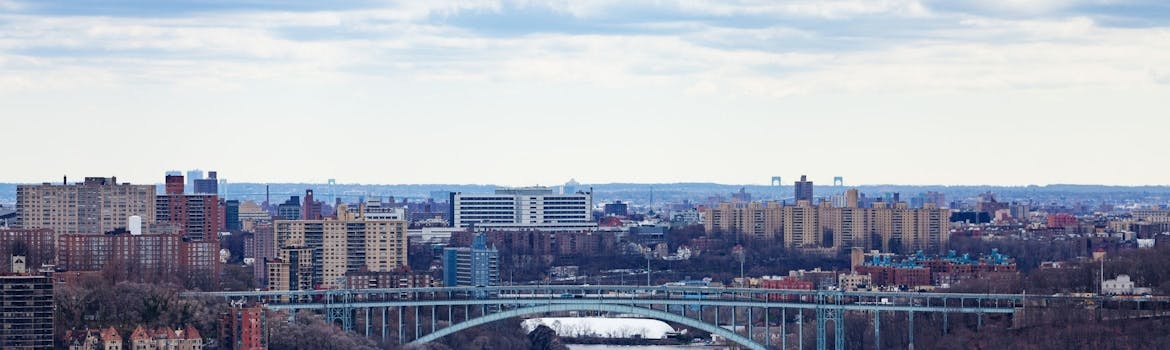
point(628, 309)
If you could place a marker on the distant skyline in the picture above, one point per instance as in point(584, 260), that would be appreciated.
point(517, 93)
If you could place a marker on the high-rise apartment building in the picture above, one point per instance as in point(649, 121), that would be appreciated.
point(242, 328)
point(349, 243)
point(174, 184)
point(144, 258)
point(26, 313)
point(231, 215)
point(477, 265)
point(196, 215)
point(292, 269)
point(290, 209)
point(885, 226)
point(754, 220)
point(802, 228)
point(210, 185)
point(263, 248)
point(804, 189)
point(852, 198)
point(97, 205)
point(523, 209)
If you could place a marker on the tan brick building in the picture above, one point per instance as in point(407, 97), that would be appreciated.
point(97, 205)
point(885, 226)
point(349, 243)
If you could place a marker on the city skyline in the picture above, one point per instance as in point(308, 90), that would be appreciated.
point(789, 182)
point(520, 93)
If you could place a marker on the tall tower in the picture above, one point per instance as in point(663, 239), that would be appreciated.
point(192, 175)
point(310, 210)
point(804, 189)
point(778, 184)
point(332, 190)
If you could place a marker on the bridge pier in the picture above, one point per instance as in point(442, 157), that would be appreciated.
point(946, 323)
point(800, 326)
point(911, 329)
point(784, 328)
point(401, 327)
point(749, 322)
point(733, 319)
point(767, 330)
point(877, 329)
point(384, 323)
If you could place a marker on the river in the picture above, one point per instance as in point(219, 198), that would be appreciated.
point(641, 347)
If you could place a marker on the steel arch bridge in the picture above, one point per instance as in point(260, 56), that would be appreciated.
point(681, 305)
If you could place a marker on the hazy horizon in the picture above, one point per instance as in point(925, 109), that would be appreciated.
point(786, 183)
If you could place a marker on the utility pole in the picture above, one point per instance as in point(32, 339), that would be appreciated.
point(647, 270)
point(1101, 282)
point(741, 255)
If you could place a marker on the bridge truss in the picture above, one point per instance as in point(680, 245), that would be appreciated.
point(468, 307)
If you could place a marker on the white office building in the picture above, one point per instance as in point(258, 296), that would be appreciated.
point(527, 208)
point(376, 209)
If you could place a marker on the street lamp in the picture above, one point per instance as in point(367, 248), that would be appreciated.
point(740, 255)
point(648, 269)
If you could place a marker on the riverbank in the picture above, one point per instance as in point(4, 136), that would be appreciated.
point(642, 347)
point(620, 341)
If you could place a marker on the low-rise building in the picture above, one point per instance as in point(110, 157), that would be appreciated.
point(854, 281)
point(93, 339)
point(386, 280)
point(186, 338)
point(1122, 285)
point(785, 282)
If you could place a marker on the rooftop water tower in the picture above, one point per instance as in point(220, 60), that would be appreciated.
point(134, 225)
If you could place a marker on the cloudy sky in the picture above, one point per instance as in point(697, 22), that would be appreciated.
point(537, 92)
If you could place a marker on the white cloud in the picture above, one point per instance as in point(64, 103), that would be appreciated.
point(222, 51)
point(10, 5)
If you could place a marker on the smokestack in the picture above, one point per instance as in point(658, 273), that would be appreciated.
point(64, 179)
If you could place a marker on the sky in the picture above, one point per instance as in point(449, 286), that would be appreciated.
point(995, 92)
